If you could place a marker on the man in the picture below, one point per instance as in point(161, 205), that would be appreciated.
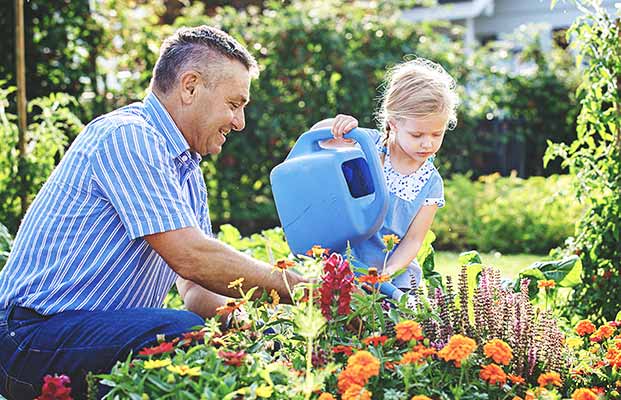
point(121, 218)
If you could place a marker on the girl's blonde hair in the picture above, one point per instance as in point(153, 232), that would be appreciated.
point(418, 88)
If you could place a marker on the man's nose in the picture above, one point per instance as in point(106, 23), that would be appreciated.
point(239, 121)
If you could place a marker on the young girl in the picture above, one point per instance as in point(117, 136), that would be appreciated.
point(418, 105)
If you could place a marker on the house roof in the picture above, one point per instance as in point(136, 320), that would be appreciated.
point(448, 10)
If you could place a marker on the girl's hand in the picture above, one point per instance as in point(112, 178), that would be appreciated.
point(341, 125)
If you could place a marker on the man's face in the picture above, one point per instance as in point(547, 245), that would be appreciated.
point(217, 109)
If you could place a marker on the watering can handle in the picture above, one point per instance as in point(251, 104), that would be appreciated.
point(308, 143)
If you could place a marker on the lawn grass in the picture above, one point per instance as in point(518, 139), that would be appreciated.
point(446, 262)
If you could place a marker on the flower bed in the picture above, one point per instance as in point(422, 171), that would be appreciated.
point(480, 340)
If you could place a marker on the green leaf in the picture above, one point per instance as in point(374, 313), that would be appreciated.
point(470, 257)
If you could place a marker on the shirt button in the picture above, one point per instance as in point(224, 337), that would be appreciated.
point(12, 333)
point(184, 158)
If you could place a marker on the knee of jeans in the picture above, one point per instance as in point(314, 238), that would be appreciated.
point(182, 321)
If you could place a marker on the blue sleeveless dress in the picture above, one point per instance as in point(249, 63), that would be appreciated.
point(407, 194)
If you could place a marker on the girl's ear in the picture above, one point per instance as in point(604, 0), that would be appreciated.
point(392, 124)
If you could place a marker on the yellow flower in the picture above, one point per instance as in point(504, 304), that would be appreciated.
point(264, 391)
point(420, 397)
point(275, 298)
point(390, 241)
point(236, 283)
point(152, 364)
point(573, 342)
point(184, 370)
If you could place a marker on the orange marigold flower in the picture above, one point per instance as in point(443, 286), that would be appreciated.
point(364, 363)
point(549, 378)
point(412, 357)
point(408, 330)
point(546, 283)
point(493, 374)
point(516, 398)
point(347, 378)
point(584, 327)
point(420, 397)
point(613, 356)
point(356, 392)
point(516, 379)
point(584, 394)
point(458, 349)
point(499, 351)
point(373, 278)
point(284, 264)
point(604, 331)
point(375, 340)
point(326, 396)
point(529, 395)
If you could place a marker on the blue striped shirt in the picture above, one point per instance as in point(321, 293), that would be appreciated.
point(80, 246)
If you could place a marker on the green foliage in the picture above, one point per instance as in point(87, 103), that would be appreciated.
point(510, 215)
point(46, 139)
point(316, 60)
point(62, 45)
point(595, 160)
point(6, 241)
point(565, 273)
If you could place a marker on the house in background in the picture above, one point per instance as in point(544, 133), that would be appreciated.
point(486, 20)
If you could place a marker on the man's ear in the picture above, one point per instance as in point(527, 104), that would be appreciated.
point(189, 82)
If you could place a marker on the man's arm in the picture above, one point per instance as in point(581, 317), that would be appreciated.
point(212, 264)
point(198, 299)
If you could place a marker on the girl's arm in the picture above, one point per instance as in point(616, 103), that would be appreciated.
point(409, 246)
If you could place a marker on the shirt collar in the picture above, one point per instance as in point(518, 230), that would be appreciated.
point(164, 124)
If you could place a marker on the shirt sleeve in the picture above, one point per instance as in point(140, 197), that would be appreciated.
point(133, 169)
point(436, 192)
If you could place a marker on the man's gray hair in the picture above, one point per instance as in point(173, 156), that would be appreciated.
point(197, 48)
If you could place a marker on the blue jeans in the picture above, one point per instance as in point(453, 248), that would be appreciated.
point(76, 342)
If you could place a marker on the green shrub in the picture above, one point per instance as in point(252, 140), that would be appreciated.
point(595, 160)
point(510, 215)
point(52, 123)
point(5, 244)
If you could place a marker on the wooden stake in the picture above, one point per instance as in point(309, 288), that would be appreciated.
point(22, 116)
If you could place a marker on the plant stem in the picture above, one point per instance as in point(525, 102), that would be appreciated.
point(309, 352)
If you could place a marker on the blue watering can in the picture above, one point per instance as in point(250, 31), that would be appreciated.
point(329, 196)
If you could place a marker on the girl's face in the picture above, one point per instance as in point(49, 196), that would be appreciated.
point(419, 138)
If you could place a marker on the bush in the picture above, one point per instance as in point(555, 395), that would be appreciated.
point(595, 160)
point(46, 138)
point(510, 215)
point(5, 244)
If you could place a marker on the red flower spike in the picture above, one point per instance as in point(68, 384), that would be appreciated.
point(55, 388)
